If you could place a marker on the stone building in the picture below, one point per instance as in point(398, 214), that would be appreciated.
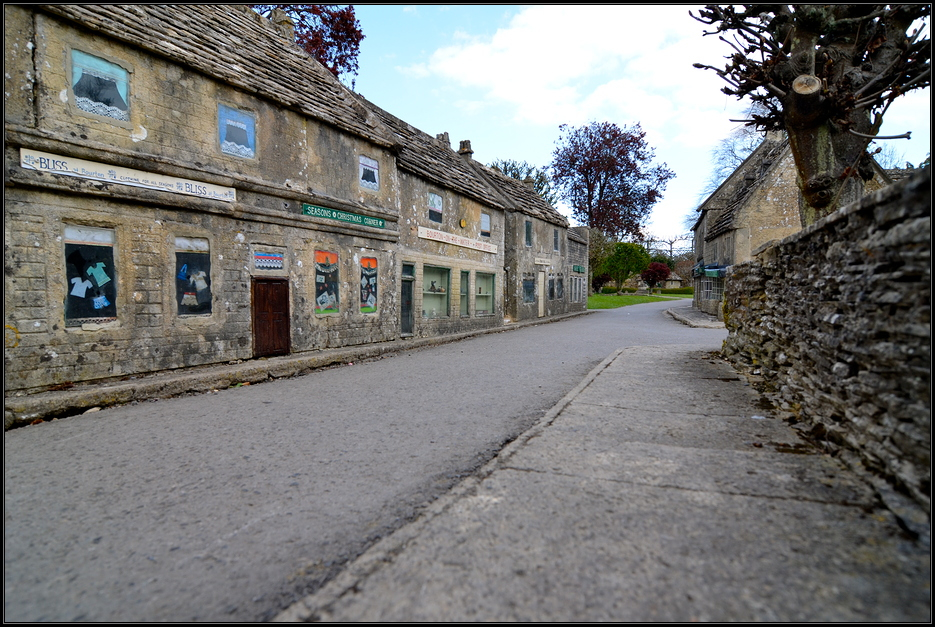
point(451, 231)
point(757, 203)
point(546, 260)
point(185, 186)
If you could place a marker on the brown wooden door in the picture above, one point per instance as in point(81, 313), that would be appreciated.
point(270, 317)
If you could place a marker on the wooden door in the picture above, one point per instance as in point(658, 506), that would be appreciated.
point(270, 317)
point(405, 313)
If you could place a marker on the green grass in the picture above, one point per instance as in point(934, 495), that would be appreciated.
point(612, 301)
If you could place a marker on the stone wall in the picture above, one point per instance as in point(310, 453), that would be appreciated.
point(836, 321)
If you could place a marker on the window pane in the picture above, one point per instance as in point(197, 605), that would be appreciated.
point(485, 225)
point(237, 132)
point(326, 282)
point(435, 207)
point(89, 272)
point(435, 292)
point(192, 276)
point(368, 285)
point(100, 87)
point(369, 173)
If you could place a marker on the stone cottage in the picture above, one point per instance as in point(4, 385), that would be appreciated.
point(757, 203)
point(185, 186)
point(451, 230)
point(546, 260)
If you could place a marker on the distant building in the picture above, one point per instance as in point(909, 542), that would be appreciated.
point(759, 202)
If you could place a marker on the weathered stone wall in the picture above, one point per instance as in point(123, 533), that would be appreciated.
point(836, 320)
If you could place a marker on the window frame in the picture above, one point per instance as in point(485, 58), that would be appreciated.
point(483, 232)
point(440, 299)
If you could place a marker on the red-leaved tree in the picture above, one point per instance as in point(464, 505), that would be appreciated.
point(656, 273)
point(606, 174)
point(329, 33)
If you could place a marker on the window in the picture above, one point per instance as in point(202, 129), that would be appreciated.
point(483, 304)
point(368, 285)
point(435, 207)
point(485, 225)
point(326, 282)
point(369, 173)
point(100, 87)
point(192, 276)
point(555, 240)
point(560, 288)
point(465, 292)
point(528, 233)
point(435, 292)
point(90, 275)
point(551, 288)
point(236, 132)
point(529, 290)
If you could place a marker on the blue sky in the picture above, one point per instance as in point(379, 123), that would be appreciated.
point(506, 76)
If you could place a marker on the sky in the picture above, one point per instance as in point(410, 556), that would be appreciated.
point(506, 77)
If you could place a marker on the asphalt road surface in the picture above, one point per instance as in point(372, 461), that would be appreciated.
point(229, 506)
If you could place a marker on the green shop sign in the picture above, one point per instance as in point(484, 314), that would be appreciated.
point(342, 216)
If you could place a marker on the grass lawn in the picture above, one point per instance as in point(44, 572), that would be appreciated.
point(612, 301)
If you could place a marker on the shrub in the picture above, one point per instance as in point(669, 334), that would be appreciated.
point(678, 290)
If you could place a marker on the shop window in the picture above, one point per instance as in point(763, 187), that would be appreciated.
point(237, 132)
point(369, 173)
point(435, 283)
point(326, 282)
point(90, 275)
point(555, 240)
point(368, 285)
point(192, 276)
point(435, 207)
point(528, 233)
point(485, 225)
point(465, 293)
point(529, 290)
point(551, 288)
point(100, 87)
point(483, 302)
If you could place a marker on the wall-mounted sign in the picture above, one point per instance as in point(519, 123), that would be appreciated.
point(457, 240)
point(267, 261)
point(342, 216)
point(577, 269)
point(539, 261)
point(69, 166)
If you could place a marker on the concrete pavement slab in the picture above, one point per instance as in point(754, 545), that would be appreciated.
point(624, 506)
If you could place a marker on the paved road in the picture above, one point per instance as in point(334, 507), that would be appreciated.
point(230, 506)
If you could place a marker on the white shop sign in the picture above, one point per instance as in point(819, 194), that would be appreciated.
point(69, 166)
point(457, 240)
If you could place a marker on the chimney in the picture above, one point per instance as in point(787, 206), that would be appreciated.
point(443, 138)
point(465, 149)
point(529, 182)
point(283, 23)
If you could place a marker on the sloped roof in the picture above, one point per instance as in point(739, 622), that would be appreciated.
point(236, 45)
point(739, 185)
point(520, 196)
point(420, 154)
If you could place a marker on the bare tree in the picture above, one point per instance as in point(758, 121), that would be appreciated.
point(825, 74)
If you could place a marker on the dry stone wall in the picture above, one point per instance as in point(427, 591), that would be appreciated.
point(836, 320)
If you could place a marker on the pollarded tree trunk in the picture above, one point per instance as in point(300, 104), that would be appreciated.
point(832, 163)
